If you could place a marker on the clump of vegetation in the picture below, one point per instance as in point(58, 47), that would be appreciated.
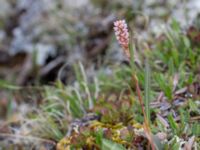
point(149, 105)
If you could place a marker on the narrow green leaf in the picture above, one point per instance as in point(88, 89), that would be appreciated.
point(147, 89)
point(110, 145)
point(173, 124)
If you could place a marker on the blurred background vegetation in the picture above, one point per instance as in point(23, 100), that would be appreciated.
point(37, 37)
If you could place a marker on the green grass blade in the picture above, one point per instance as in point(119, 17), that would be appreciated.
point(147, 89)
point(173, 124)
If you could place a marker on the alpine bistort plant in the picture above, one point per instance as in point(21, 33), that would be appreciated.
point(122, 35)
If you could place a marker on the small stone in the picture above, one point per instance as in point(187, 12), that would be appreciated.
point(161, 135)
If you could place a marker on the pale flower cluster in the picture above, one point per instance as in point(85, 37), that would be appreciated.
point(122, 35)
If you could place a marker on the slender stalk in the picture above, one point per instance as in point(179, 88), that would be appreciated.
point(146, 123)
